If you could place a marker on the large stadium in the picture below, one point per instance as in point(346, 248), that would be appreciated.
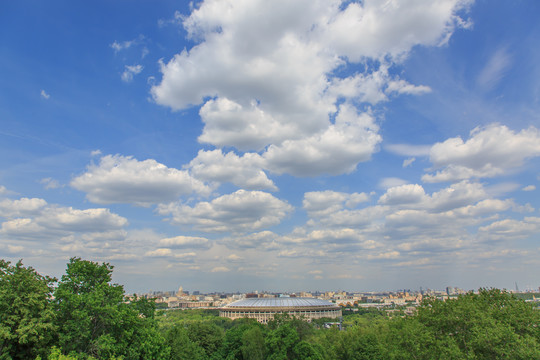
point(264, 309)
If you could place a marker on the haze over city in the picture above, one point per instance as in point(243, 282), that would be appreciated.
point(273, 145)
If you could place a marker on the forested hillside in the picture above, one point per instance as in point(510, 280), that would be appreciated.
point(85, 316)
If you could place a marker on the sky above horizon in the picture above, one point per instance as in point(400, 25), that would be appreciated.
point(239, 145)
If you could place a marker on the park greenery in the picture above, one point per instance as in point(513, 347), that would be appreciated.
point(86, 316)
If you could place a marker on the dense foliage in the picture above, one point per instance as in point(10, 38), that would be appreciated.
point(85, 316)
point(93, 318)
point(27, 321)
point(491, 324)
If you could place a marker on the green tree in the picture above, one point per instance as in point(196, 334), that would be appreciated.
point(359, 343)
point(95, 320)
point(407, 338)
point(253, 344)
point(302, 327)
point(182, 348)
point(26, 317)
point(244, 340)
point(328, 340)
point(232, 342)
point(208, 336)
point(281, 341)
point(489, 325)
point(305, 351)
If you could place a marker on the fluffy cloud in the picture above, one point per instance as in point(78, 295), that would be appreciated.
point(336, 150)
point(81, 220)
point(23, 228)
point(159, 252)
point(283, 44)
point(123, 179)
point(384, 255)
point(182, 242)
point(510, 229)
point(47, 222)
point(321, 203)
point(413, 228)
point(334, 240)
point(404, 194)
point(352, 139)
point(357, 218)
point(374, 87)
point(374, 29)
point(265, 75)
point(167, 253)
point(303, 253)
point(104, 236)
point(264, 240)
point(25, 221)
point(234, 258)
point(414, 196)
point(406, 222)
point(489, 152)
point(20, 208)
point(246, 127)
point(241, 211)
point(243, 171)
point(457, 196)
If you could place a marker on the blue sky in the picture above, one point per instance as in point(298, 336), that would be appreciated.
point(254, 145)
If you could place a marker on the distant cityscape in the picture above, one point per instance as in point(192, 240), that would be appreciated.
point(184, 299)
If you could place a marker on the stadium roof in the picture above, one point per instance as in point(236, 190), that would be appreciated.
point(280, 302)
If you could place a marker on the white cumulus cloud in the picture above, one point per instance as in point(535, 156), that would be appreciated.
point(123, 179)
point(403, 194)
point(263, 240)
point(241, 211)
point(510, 229)
point(321, 203)
point(489, 151)
point(337, 150)
point(244, 171)
point(81, 220)
point(181, 242)
point(21, 207)
point(265, 75)
point(34, 219)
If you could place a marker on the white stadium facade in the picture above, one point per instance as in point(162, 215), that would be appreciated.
point(264, 309)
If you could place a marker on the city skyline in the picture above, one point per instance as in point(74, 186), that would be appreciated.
point(240, 145)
